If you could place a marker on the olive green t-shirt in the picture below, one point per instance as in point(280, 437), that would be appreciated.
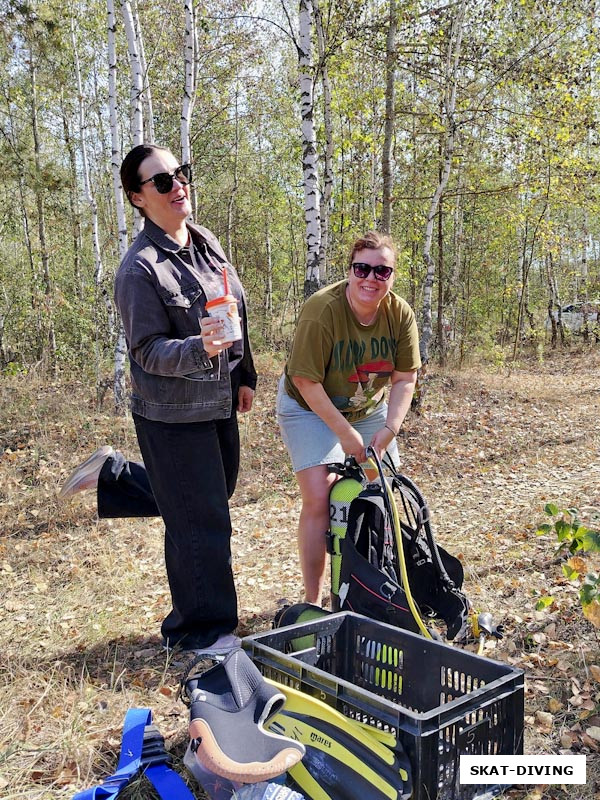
point(353, 362)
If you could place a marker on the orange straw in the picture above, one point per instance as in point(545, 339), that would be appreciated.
point(225, 281)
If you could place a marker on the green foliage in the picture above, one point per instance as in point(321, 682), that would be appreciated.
point(590, 589)
point(12, 369)
point(575, 538)
point(520, 204)
point(571, 534)
point(543, 602)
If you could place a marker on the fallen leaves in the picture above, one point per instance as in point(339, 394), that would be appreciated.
point(588, 742)
point(568, 739)
point(544, 721)
point(594, 732)
point(592, 613)
point(577, 564)
point(554, 705)
point(485, 462)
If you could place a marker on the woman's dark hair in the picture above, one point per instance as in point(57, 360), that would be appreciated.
point(372, 240)
point(130, 178)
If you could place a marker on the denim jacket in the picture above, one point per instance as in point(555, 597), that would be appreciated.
point(161, 302)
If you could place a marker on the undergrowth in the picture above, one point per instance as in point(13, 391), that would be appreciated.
point(83, 598)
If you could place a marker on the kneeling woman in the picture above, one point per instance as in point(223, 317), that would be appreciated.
point(353, 339)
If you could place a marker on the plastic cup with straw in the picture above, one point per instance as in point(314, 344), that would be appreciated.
point(225, 308)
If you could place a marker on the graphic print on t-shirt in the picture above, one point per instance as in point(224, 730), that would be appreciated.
point(368, 378)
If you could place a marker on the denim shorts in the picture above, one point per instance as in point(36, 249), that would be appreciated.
point(311, 442)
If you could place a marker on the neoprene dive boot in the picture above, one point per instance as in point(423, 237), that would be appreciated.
point(230, 704)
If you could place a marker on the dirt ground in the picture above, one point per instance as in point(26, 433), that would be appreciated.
point(83, 598)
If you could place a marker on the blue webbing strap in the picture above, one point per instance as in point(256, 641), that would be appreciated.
point(140, 754)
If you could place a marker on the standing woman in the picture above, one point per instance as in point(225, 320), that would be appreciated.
point(353, 339)
point(187, 384)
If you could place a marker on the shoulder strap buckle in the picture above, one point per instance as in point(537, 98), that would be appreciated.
point(153, 748)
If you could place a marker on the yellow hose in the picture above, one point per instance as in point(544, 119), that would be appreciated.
point(405, 582)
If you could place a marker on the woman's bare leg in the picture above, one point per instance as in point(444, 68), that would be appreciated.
point(314, 483)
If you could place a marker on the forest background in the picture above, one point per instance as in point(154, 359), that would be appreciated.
point(467, 130)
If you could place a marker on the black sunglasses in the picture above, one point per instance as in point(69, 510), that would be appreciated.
point(163, 181)
point(382, 273)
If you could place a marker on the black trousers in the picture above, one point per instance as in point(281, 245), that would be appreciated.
point(189, 472)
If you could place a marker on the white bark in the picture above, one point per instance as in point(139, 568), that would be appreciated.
point(136, 112)
point(327, 197)
point(459, 238)
point(268, 305)
point(235, 186)
point(85, 167)
point(137, 77)
point(89, 194)
point(310, 167)
point(266, 206)
point(190, 82)
point(41, 215)
point(449, 122)
point(387, 168)
point(73, 197)
point(115, 137)
point(115, 162)
point(147, 109)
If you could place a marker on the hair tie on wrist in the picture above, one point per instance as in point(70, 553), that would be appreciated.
point(390, 429)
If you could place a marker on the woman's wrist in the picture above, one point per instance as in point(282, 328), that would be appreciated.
point(391, 430)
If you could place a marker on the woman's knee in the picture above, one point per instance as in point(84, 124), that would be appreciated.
point(315, 484)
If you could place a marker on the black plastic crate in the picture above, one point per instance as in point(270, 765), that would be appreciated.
point(440, 701)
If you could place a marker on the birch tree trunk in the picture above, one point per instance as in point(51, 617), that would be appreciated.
point(310, 167)
point(268, 275)
point(137, 78)
point(413, 183)
point(135, 48)
point(91, 200)
point(189, 91)
point(526, 261)
point(440, 337)
point(449, 124)
point(41, 212)
point(134, 34)
point(115, 163)
point(234, 187)
point(190, 83)
point(374, 160)
point(451, 293)
point(387, 169)
point(29, 250)
point(326, 206)
point(583, 284)
point(553, 302)
point(147, 109)
point(73, 201)
point(5, 353)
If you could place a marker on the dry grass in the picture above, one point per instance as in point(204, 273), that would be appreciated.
point(83, 599)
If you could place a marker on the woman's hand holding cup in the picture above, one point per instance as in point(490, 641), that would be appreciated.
point(212, 331)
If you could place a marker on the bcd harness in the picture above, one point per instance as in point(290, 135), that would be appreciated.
point(142, 752)
point(385, 562)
